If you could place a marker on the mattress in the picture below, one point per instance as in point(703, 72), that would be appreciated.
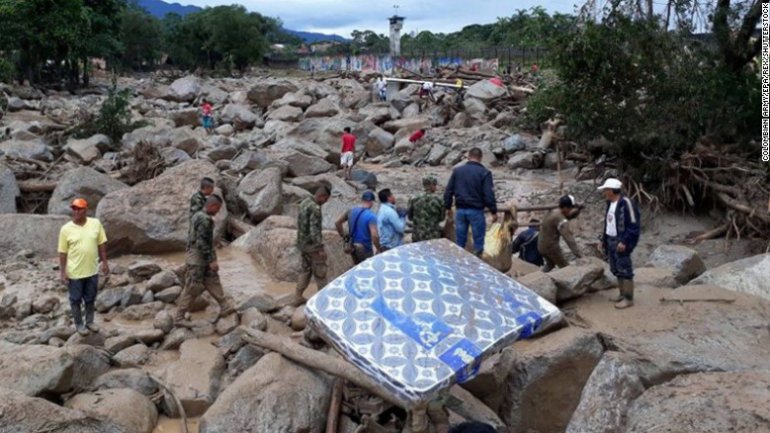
point(419, 318)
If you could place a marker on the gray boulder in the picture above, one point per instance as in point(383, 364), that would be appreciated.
point(163, 221)
point(287, 113)
point(186, 117)
point(240, 116)
point(185, 89)
point(540, 283)
point(266, 91)
point(379, 142)
point(82, 182)
point(575, 280)
point(130, 410)
point(260, 193)
point(750, 275)
point(9, 190)
point(130, 378)
point(486, 91)
point(36, 233)
point(88, 150)
point(323, 108)
point(24, 414)
point(684, 262)
point(526, 160)
point(295, 99)
point(35, 369)
point(275, 395)
point(29, 149)
point(196, 377)
point(301, 164)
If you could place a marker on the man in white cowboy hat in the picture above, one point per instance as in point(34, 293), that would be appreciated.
point(620, 236)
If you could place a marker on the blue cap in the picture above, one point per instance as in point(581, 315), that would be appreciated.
point(368, 196)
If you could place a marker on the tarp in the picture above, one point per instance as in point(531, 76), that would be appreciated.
point(423, 316)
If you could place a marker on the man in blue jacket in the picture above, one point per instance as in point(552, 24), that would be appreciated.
point(526, 244)
point(621, 234)
point(471, 188)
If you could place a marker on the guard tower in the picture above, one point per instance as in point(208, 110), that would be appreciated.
point(396, 24)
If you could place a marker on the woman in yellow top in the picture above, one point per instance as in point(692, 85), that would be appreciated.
point(81, 241)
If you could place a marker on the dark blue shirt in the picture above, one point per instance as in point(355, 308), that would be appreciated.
point(359, 221)
point(526, 245)
point(471, 187)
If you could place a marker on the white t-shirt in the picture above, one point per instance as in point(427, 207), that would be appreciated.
point(612, 226)
point(427, 86)
point(381, 85)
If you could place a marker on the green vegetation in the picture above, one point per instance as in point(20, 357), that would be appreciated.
point(53, 42)
point(114, 117)
point(654, 93)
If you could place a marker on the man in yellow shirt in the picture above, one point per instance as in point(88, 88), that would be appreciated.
point(81, 241)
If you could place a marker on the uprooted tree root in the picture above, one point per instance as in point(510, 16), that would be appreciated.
point(146, 163)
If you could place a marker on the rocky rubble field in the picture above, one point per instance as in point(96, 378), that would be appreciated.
point(692, 355)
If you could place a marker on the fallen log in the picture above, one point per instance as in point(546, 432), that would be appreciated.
point(471, 408)
point(27, 186)
point(333, 418)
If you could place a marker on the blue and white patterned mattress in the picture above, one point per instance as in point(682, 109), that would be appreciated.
point(423, 316)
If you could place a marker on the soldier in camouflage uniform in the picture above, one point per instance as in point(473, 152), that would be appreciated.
point(426, 212)
point(310, 242)
point(201, 260)
point(198, 200)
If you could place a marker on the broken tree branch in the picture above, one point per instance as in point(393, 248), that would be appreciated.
point(36, 186)
point(471, 407)
point(333, 418)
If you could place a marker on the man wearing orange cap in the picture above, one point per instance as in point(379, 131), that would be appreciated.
point(81, 242)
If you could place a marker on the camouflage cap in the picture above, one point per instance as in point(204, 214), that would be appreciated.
point(429, 180)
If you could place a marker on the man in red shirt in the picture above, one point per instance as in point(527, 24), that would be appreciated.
point(347, 155)
point(416, 136)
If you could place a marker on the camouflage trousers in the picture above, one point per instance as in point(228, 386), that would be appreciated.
point(197, 279)
point(313, 265)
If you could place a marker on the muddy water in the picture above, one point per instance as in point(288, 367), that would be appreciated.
point(169, 425)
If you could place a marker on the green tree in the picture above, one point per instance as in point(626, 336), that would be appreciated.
point(141, 39)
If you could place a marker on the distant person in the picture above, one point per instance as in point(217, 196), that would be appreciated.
point(472, 427)
point(310, 243)
point(620, 236)
point(208, 118)
point(417, 136)
point(198, 200)
point(535, 69)
point(81, 242)
point(525, 244)
point(348, 152)
point(426, 212)
point(382, 88)
point(201, 262)
point(312, 71)
point(391, 223)
point(362, 232)
point(554, 227)
point(471, 189)
point(426, 91)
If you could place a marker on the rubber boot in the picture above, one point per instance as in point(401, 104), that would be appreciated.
point(620, 297)
point(628, 295)
point(90, 318)
point(77, 318)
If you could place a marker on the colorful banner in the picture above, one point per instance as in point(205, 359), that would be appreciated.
point(386, 64)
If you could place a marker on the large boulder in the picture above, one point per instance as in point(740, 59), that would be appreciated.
point(705, 402)
point(303, 146)
point(186, 117)
point(404, 97)
point(323, 108)
point(266, 91)
point(273, 245)
point(685, 262)
point(655, 277)
point(406, 125)
point(24, 414)
point(88, 150)
point(35, 370)
point(301, 164)
point(153, 216)
point(82, 182)
point(130, 410)
point(750, 275)
point(275, 395)
point(29, 149)
point(575, 280)
point(612, 386)
point(260, 193)
point(130, 378)
point(287, 113)
point(540, 283)
point(240, 116)
point(326, 133)
point(185, 89)
point(378, 142)
point(36, 233)
point(196, 377)
point(542, 380)
point(486, 91)
point(9, 190)
point(295, 99)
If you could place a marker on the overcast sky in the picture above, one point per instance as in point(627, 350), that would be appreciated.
point(343, 16)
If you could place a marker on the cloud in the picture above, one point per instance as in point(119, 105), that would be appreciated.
point(344, 16)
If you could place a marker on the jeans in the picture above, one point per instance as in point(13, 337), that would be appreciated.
point(477, 222)
point(620, 263)
point(83, 290)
